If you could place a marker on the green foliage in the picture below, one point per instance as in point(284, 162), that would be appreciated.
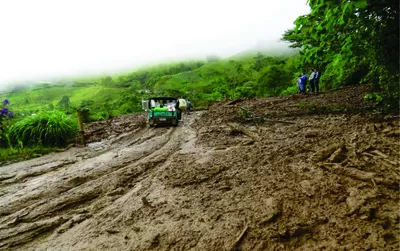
point(49, 128)
point(290, 90)
point(373, 97)
point(9, 154)
point(106, 80)
point(260, 61)
point(198, 81)
point(42, 86)
point(50, 107)
point(82, 84)
point(131, 101)
point(86, 103)
point(150, 76)
point(352, 42)
point(382, 102)
point(272, 80)
point(5, 116)
point(247, 90)
point(64, 103)
point(229, 79)
point(27, 98)
point(244, 115)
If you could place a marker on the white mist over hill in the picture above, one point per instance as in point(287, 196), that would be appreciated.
point(45, 39)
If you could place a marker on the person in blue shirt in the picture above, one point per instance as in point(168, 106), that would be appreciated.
point(303, 82)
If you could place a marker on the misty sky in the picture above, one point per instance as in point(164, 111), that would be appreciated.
point(48, 38)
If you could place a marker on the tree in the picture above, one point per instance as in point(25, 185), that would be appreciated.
point(355, 41)
point(106, 80)
point(246, 90)
point(272, 80)
point(259, 62)
point(64, 102)
point(235, 76)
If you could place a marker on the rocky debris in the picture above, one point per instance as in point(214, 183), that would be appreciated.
point(96, 131)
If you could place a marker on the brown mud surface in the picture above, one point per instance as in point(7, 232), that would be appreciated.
point(310, 172)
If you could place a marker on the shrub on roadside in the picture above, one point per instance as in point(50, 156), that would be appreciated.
point(47, 128)
point(289, 91)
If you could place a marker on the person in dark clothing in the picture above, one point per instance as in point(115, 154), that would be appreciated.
point(299, 84)
point(311, 81)
point(188, 106)
point(317, 76)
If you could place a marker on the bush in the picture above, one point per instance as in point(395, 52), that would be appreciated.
point(48, 128)
point(86, 103)
point(383, 102)
point(290, 90)
point(247, 90)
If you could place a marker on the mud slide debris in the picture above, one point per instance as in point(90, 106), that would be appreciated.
point(312, 172)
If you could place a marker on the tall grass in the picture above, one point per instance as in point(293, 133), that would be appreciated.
point(48, 128)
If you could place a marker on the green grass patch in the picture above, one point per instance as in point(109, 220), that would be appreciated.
point(11, 154)
point(48, 128)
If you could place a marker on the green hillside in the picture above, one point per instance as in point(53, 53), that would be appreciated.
point(48, 96)
point(121, 93)
point(54, 104)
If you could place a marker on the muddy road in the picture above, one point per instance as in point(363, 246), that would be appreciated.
point(264, 174)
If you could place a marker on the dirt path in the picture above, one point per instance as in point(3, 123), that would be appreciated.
point(309, 182)
point(43, 198)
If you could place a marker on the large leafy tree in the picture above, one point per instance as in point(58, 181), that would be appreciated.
point(352, 41)
point(272, 80)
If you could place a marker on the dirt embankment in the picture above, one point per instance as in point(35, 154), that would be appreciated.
point(297, 173)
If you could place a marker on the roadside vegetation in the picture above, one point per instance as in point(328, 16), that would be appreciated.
point(355, 42)
point(352, 43)
point(48, 128)
point(35, 135)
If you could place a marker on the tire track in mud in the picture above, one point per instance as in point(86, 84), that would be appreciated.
point(83, 192)
point(98, 167)
point(37, 171)
point(214, 186)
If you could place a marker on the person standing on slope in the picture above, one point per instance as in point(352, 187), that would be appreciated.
point(311, 80)
point(298, 84)
point(188, 106)
point(317, 76)
point(181, 106)
point(303, 82)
